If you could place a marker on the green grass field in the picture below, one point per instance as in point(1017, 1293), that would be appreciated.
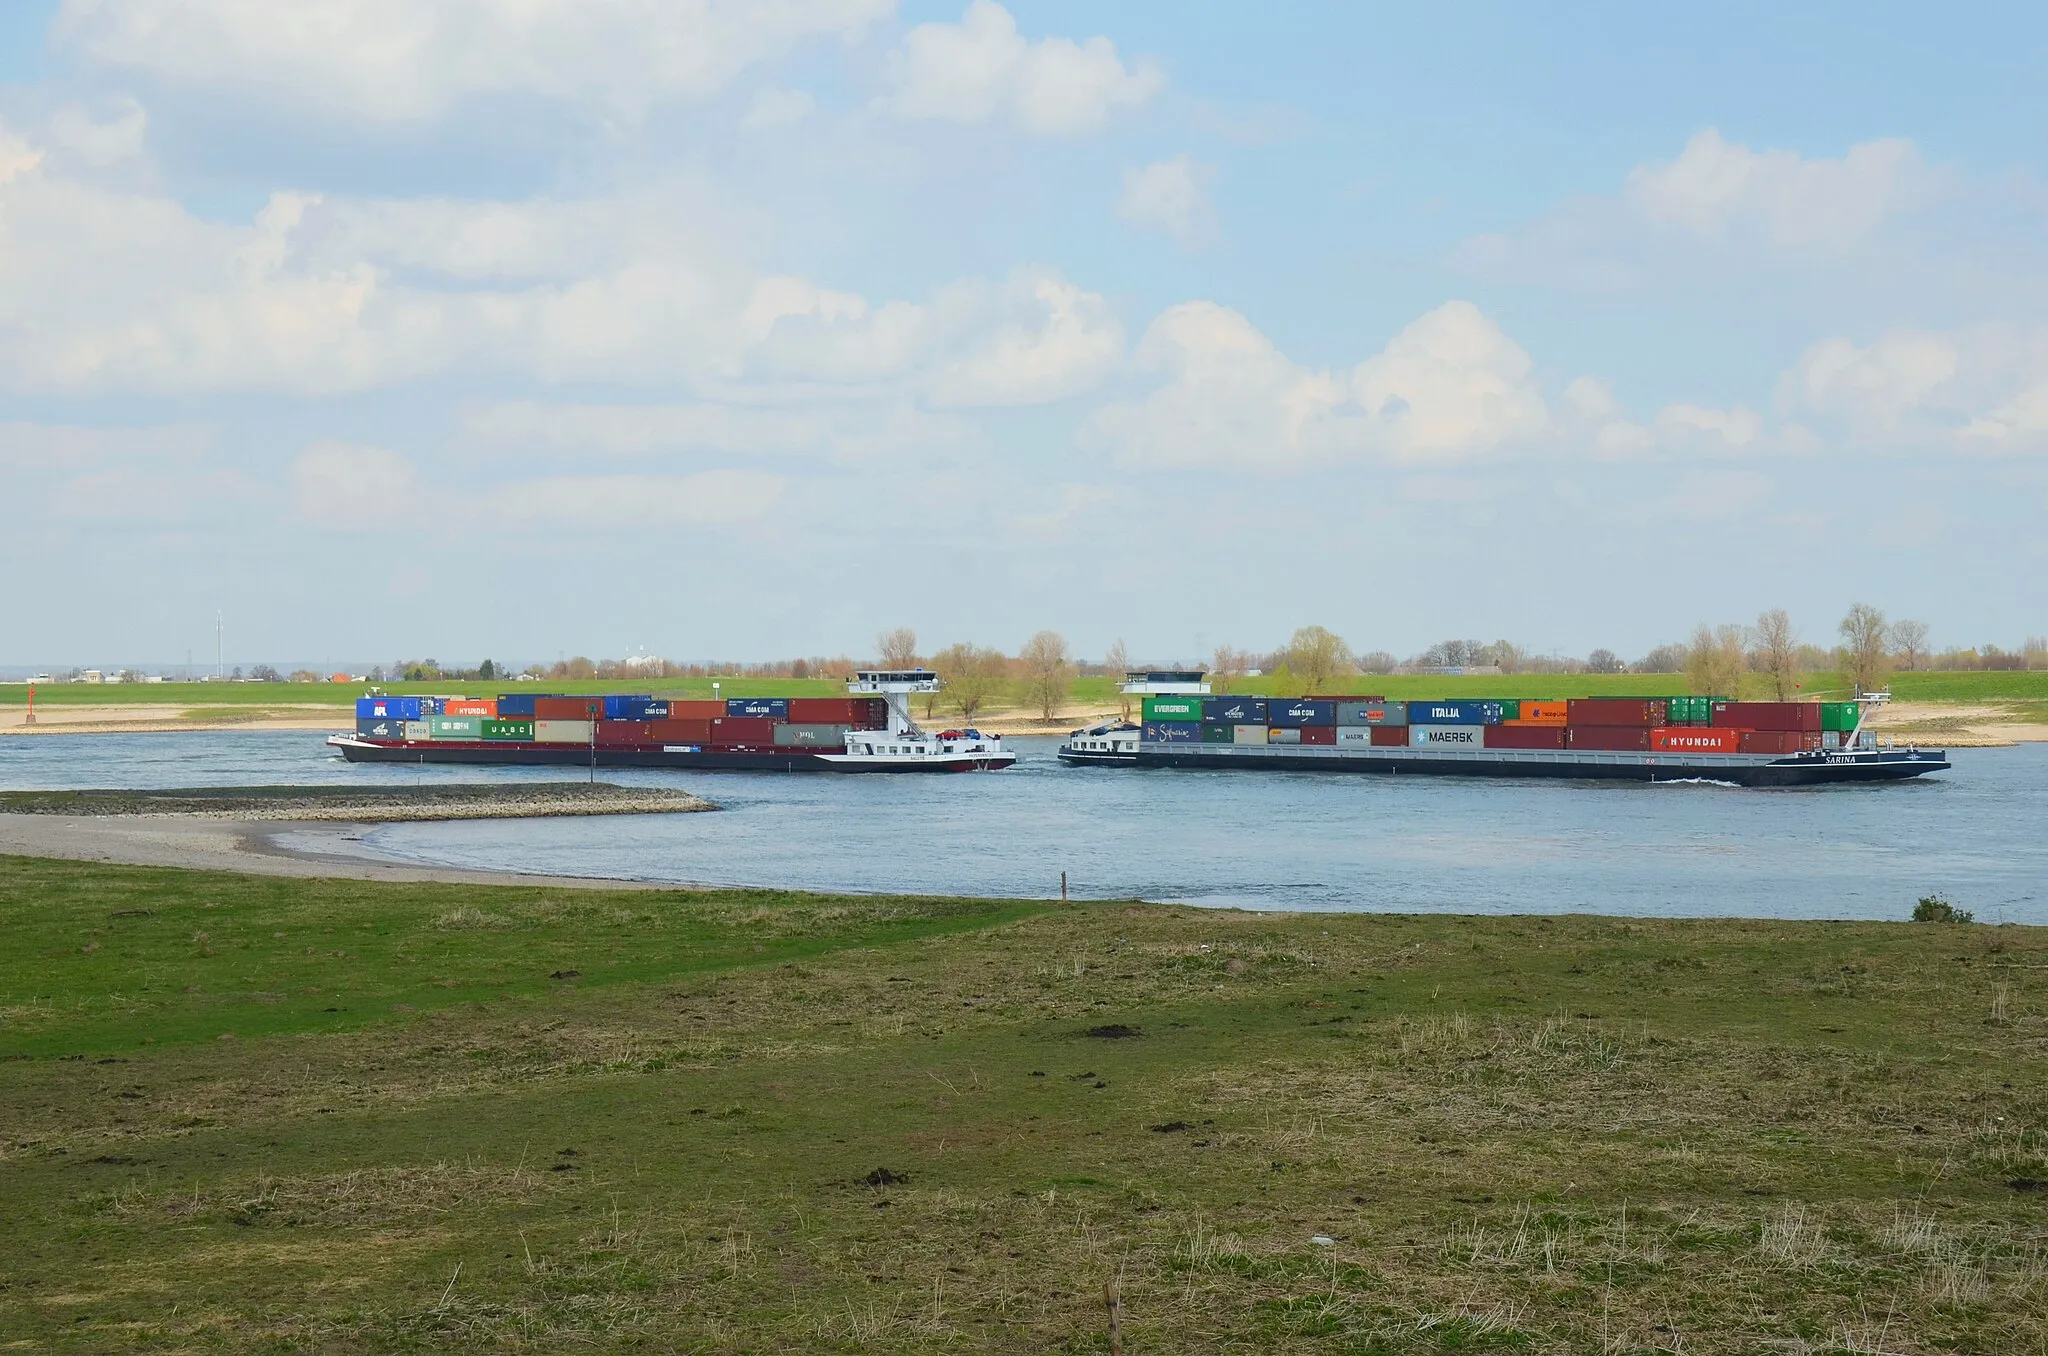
point(251, 1114)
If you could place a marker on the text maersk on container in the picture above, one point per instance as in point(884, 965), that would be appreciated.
point(1447, 736)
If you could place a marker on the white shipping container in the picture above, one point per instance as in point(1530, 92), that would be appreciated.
point(1447, 736)
point(561, 732)
point(1354, 734)
point(418, 729)
point(1247, 734)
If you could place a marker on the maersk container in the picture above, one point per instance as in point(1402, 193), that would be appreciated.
point(1247, 734)
point(635, 708)
point(810, 735)
point(1454, 713)
point(1283, 734)
point(1160, 710)
point(389, 708)
point(757, 708)
point(1300, 712)
point(455, 727)
point(561, 732)
point(1356, 735)
point(1170, 732)
point(1234, 710)
point(517, 705)
point(1219, 734)
point(392, 730)
point(1838, 716)
point(1437, 736)
point(519, 730)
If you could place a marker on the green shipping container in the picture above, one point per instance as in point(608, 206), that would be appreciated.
point(1689, 710)
point(1173, 708)
point(455, 727)
point(1511, 709)
point(1219, 734)
point(508, 729)
point(1838, 716)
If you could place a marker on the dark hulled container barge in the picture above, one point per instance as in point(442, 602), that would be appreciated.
point(1643, 739)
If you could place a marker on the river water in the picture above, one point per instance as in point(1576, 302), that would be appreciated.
point(1977, 835)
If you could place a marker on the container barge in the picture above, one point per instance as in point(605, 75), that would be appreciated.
point(1645, 739)
point(870, 730)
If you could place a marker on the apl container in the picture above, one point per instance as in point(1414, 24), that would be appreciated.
point(561, 732)
point(1454, 713)
point(1301, 712)
point(508, 729)
point(1159, 710)
point(810, 735)
point(1170, 732)
point(389, 708)
point(1234, 710)
point(757, 708)
point(1435, 736)
point(456, 727)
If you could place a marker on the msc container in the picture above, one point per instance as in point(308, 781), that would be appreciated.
point(635, 708)
point(696, 708)
point(1234, 710)
point(1390, 736)
point(1219, 734)
point(1695, 739)
point(388, 730)
point(1160, 710)
point(624, 734)
point(742, 731)
point(1454, 713)
point(1304, 711)
point(1523, 736)
point(1800, 716)
point(1607, 737)
point(1543, 713)
point(470, 706)
point(516, 705)
point(1247, 734)
point(1612, 712)
point(1838, 716)
point(810, 735)
point(1170, 732)
point(456, 727)
point(521, 730)
point(561, 732)
point(564, 708)
point(389, 708)
point(1446, 736)
point(673, 731)
point(757, 708)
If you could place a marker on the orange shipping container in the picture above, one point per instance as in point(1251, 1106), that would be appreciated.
point(1541, 713)
point(567, 708)
point(695, 708)
point(471, 706)
point(1694, 739)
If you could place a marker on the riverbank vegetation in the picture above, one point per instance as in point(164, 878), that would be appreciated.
point(256, 1114)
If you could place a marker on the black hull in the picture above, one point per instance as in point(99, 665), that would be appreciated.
point(1811, 769)
point(699, 760)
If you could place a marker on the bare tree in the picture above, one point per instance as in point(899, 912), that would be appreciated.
point(1118, 663)
point(1226, 666)
point(1315, 656)
point(1508, 655)
point(1866, 662)
point(1715, 662)
point(1776, 652)
point(1048, 672)
point(1665, 658)
point(1909, 642)
point(1377, 661)
point(972, 675)
point(898, 648)
point(1605, 661)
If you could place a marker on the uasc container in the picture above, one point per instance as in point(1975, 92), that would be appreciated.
point(1160, 710)
point(1435, 736)
point(518, 730)
point(1234, 710)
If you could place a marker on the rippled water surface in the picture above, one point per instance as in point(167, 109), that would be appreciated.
point(1257, 840)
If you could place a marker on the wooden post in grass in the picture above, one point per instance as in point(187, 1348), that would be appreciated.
point(1115, 1304)
point(31, 705)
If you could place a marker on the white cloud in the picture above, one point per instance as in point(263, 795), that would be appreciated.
point(897, 436)
point(26, 448)
point(1448, 387)
point(982, 70)
point(777, 108)
point(1983, 388)
point(341, 485)
point(97, 142)
point(1170, 196)
point(1717, 188)
point(709, 499)
point(408, 59)
point(1736, 428)
point(136, 494)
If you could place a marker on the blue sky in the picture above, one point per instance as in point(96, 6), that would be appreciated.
point(473, 327)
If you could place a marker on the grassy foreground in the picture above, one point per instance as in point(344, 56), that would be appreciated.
point(255, 1114)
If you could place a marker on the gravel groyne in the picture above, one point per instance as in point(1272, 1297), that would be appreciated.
point(361, 805)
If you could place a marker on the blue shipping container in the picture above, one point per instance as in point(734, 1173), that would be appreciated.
point(392, 729)
point(635, 708)
point(388, 708)
point(1298, 713)
point(1454, 713)
point(518, 705)
point(1170, 732)
point(1234, 711)
point(757, 708)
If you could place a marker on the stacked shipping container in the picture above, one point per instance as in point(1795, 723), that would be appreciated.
point(616, 721)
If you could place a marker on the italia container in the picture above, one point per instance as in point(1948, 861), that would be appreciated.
point(515, 705)
point(1803, 717)
point(389, 708)
point(1436, 736)
point(390, 730)
point(1234, 710)
point(810, 735)
point(1172, 710)
point(470, 706)
point(1304, 711)
point(1372, 713)
point(1838, 716)
point(1695, 739)
point(517, 730)
point(1611, 712)
point(635, 708)
point(456, 727)
point(1608, 738)
point(757, 708)
point(561, 732)
point(1506, 736)
point(1454, 713)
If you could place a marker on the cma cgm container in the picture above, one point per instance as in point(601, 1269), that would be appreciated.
point(635, 708)
point(757, 708)
point(1800, 716)
point(1695, 739)
point(1615, 711)
point(1234, 710)
point(1302, 712)
point(389, 708)
point(1454, 713)
point(1506, 736)
point(1607, 737)
point(1435, 736)
point(1172, 710)
point(1372, 713)
point(1171, 732)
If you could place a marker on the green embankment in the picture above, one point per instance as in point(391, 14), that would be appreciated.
point(251, 1114)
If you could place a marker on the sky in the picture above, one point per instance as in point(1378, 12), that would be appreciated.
point(751, 328)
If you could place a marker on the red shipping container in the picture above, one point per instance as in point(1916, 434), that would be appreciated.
point(1318, 734)
point(568, 708)
point(1525, 736)
point(1615, 711)
point(826, 710)
point(1390, 736)
point(729, 732)
point(1801, 716)
point(673, 731)
point(695, 708)
point(1693, 739)
point(624, 733)
point(470, 706)
point(1607, 737)
point(1778, 741)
